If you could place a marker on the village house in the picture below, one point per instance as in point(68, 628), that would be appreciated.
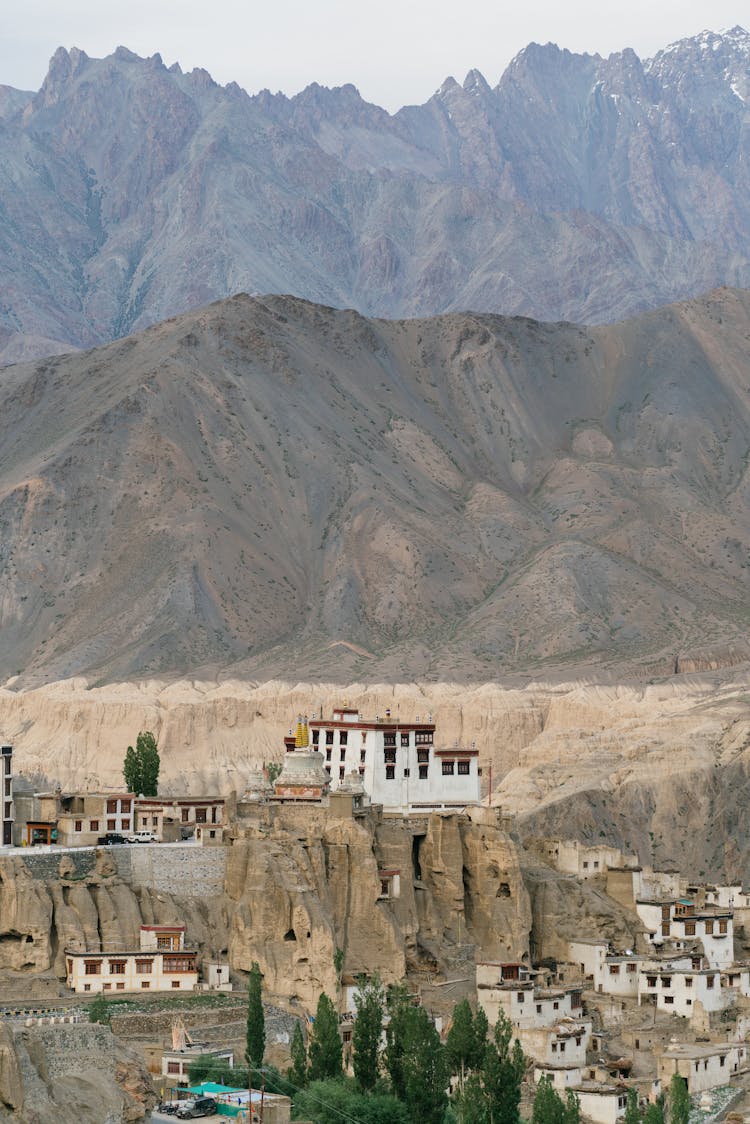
point(161, 963)
point(677, 988)
point(570, 856)
point(604, 1104)
point(400, 765)
point(702, 1065)
point(172, 819)
point(175, 1063)
point(679, 918)
point(82, 819)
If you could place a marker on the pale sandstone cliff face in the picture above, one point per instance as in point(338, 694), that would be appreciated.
point(658, 768)
point(299, 893)
point(40, 918)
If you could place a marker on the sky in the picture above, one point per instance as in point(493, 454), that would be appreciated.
point(397, 52)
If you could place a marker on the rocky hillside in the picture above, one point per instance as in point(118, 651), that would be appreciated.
point(579, 187)
point(268, 488)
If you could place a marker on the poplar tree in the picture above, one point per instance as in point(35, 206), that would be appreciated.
point(425, 1068)
point(324, 1049)
point(679, 1100)
point(298, 1069)
point(461, 1042)
point(256, 1023)
point(141, 766)
point(632, 1112)
point(369, 999)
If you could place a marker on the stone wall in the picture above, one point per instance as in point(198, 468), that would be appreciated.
point(44, 866)
point(175, 868)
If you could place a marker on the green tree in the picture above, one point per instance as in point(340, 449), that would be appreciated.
point(549, 1107)
point(99, 1011)
point(654, 1113)
point(679, 1100)
point(132, 772)
point(572, 1112)
point(425, 1069)
point(141, 766)
point(325, 1043)
point(256, 1024)
point(481, 1030)
point(298, 1068)
point(632, 1111)
point(398, 1006)
point(332, 1101)
point(461, 1042)
point(369, 999)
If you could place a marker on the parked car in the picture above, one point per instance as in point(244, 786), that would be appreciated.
point(167, 1108)
point(203, 1106)
point(111, 839)
point(142, 837)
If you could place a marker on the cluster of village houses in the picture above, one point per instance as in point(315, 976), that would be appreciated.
point(598, 1022)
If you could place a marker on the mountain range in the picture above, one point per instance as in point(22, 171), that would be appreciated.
point(579, 188)
point(271, 488)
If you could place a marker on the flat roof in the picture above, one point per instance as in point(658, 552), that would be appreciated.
point(145, 953)
point(693, 1050)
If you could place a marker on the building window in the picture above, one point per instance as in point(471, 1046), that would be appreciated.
point(145, 984)
point(87, 987)
point(404, 741)
point(175, 983)
point(423, 755)
point(406, 772)
point(107, 987)
point(688, 981)
point(111, 825)
point(389, 741)
point(709, 927)
point(343, 737)
point(521, 996)
point(538, 1008)
point(328, 770)
point(78, 825)
point(179, 964)
point(92, 967)
point(709, 981)
point(185, 813)
point(117, 967)
point(315, 736)
point(665, 928)
point(464, 768)
point(120, 987)
point(423, 772)
point(362, 755)
point(173, 1067)
point(554, 1047)
point(423, 737)
point(329, 737)
point(651, 981)
point(390, 772)
point(666, 981)
point(632, 967)
point(448, 767)
point(144, 967)
point(329, 752)
point(722, 926)
point(200, 815)
point(126, 824)
point(669, 999)
point(389, 755)
point(555, 1006)
point(111, 807)
point(342, 770)
point(164, 942)
point(689, 928)
point(94, 825)
point(614, 969)
point(342, 754)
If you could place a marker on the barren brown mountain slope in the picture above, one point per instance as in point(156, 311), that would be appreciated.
point(269, 488)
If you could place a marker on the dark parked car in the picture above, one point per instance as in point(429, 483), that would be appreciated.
point(112, 838)
point(203, 1106)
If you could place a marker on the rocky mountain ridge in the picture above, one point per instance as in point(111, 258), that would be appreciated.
point(579, 187)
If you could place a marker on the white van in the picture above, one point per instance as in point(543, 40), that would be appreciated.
point(142, 837)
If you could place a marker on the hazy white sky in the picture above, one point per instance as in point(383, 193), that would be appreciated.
point(395, 51)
